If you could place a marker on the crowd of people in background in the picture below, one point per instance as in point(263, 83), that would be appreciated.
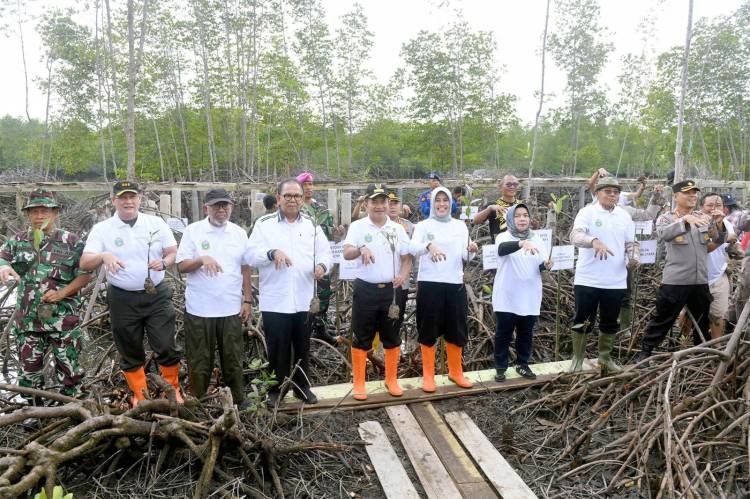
point(290, 248)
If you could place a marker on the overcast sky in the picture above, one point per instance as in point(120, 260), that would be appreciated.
point(517, 26)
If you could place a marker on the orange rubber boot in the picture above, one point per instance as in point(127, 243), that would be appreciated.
point(137, 384)
point(391, 371)
point(455, 370)
point(171, 375)
point(428, 368)
point(359, 367)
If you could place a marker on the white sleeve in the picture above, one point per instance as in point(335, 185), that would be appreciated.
point(186, 250)
point(403, 240)
point(94, 242)
point(256, 252)
point(418, 245)
point(582, 220)
point(323, 253)
point(352, 235)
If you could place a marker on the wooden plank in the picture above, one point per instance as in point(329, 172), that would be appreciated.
point(333, 205)
point(165, 205)
point(390, 471)
point(461, 468)
point(196, 211)
point(177, 202)
point(329, 397)
point(435, 480)
point(346, 208)
point(502, 476)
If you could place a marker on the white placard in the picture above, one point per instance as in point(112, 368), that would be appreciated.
point(348, 269)
point(489, 256)
point(563, 257)
point(337, 250)
point(644, 228)
point(177, 224)
point(546, 236)
point(472, 211)
point(648, 251)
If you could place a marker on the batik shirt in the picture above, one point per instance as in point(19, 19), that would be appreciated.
point(52, 267)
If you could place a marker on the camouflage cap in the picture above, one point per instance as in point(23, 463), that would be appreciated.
point(608, 182)
point(41, 197)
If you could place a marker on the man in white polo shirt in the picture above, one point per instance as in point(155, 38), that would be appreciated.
point(135, 250)
point(605, 236)
point(383, 248)
point(217, 296)
point(289, 252)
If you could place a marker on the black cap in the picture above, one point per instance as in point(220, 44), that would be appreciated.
point(218, 196)
point(375, 190)
point(728, 200)
point(685, 186)
point(434, 176)
point(123, 186)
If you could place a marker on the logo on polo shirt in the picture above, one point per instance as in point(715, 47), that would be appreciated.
point(430, 236)
point(598, 223)
point(205, 245)
point(119, 242)
point(368, 238)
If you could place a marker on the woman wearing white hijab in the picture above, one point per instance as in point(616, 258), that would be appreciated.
point(517, 291)
point(443, 244)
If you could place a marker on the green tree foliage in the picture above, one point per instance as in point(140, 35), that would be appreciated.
point(255, 89)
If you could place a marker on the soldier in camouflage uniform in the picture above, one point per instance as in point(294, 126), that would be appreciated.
point(322, 218)
point(44, 262)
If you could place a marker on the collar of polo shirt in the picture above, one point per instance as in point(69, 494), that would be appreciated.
point(281, 218)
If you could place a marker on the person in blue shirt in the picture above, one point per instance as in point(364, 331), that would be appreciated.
point(423, 199)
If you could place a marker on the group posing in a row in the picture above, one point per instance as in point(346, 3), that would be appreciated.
point(290, 249)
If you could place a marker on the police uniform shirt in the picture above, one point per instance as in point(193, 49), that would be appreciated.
point(364, 232)
point(219, 295)
point(287, 290)
point(131, 246)
point(614, 228)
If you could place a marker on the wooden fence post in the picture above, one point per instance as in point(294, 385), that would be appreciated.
point(346, 208)
point(333, 205)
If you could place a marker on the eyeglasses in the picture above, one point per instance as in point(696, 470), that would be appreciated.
point(292, 197)
point(220, 206)
point(511, 184)
point(611, 192)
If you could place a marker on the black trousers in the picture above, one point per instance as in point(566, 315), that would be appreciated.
point(135, 313)
point(370, 304)
point(402, 295)
point(203, 336)
point(669, 302)
point(441, 311)
point(288, 341)
point(588, 301)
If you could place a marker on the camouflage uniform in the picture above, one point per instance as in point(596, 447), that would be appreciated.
point(38, 325)
point(322, 218)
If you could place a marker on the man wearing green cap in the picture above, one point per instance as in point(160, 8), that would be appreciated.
point(44, 261)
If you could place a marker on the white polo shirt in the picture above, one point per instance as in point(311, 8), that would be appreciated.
point(287, 290)
point(365, 232)
point(130, 245)
point(613, 228)
point(219, 295)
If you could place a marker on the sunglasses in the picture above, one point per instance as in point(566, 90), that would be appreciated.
point(511, 184)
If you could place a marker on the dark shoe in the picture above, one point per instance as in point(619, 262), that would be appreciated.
point(643, 355)
point(324, 335)
point(526, 372)
point(499, 375)
point(273, 399)
point(306, 396)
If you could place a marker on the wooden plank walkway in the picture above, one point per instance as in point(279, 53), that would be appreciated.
point(447, 467)
point(390, 471)
point(338, 397)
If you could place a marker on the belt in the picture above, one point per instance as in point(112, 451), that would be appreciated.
point(379, 285)
point(136, 292)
